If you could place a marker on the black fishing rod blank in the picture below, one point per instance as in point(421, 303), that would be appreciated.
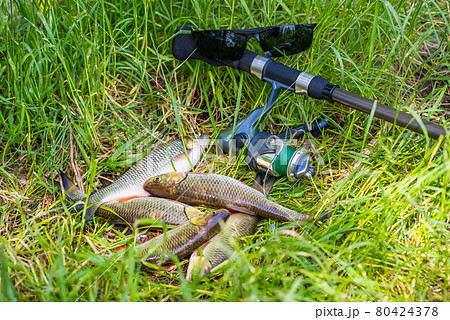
point(387, 113)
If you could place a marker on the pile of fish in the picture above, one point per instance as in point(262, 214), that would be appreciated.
point(159, 187)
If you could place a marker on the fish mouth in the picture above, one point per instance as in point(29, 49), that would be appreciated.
point(203, 140)
point(221, 214)
point(198, 141)
point(195, 147)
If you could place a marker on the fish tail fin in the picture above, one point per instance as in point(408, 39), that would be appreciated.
point(197, 263)
point(69, 188)
point(88, 212)
point(88, 209)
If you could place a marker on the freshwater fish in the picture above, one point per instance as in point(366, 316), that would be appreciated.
point(130, 211)
point(220, 248)
point(218, 191)
point(160, 160)
point(182, 240)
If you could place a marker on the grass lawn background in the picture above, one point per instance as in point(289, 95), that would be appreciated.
point(85, 84)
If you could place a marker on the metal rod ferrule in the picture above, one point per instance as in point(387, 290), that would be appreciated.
point(302, 82)
point(258, 65)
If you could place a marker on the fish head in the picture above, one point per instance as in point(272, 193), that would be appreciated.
point(187, 154)
point(221, 214)
point(164, 185)
point(196, 141)
point(211, 218)
point(195, 146)
point(192, 212)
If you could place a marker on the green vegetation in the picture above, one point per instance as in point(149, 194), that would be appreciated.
point(80, 80)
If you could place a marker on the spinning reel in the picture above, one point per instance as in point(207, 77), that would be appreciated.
point(270, 154)
point(267, 153)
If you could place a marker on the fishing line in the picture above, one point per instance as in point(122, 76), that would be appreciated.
point(292, 186)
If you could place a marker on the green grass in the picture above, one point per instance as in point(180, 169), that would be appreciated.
point(103, 73)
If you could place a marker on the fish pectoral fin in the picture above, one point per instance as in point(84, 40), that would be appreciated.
point(192, 212)
point(125, 199)
point(237, 208)
point(118, 222)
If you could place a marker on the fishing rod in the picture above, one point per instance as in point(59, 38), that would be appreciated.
point(245, 133)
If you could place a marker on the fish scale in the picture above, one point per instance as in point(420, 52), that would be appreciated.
point(182, 240)
point(166, 211)
point(219, 191)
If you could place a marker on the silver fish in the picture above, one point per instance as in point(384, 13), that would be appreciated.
point(160, 160)
point(133, 210)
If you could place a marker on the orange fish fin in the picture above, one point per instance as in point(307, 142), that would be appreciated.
point(124, 199)
point(240, 209)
